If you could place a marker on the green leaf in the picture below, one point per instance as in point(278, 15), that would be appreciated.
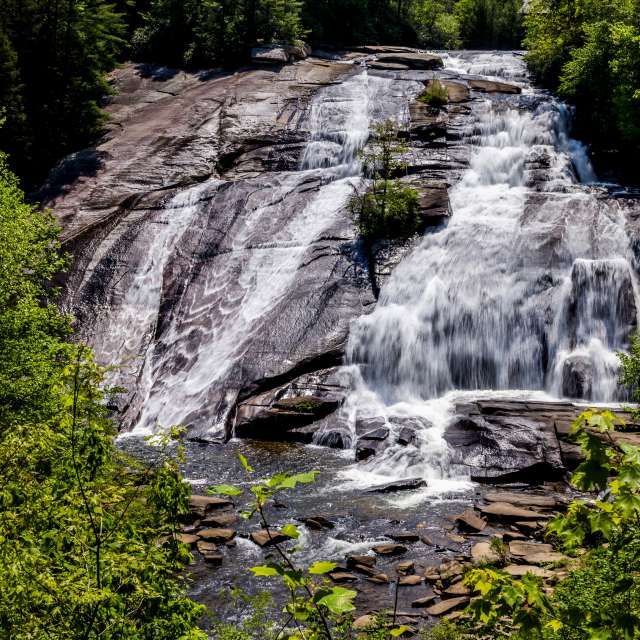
point(398, 631)
point(243, 461)
point(246, 515)
point(554, 625)
point(301, 478)
point(339, 600)
point(225, 490)
point(290, 530)
point(265, 570)
point(320, 568)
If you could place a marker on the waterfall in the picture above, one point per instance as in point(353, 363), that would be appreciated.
point(528, 289)
point(278, 223)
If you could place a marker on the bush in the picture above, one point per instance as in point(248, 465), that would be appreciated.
point(435, 95)
point(388, 209)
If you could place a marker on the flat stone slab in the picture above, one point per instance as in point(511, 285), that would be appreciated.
point(412, 60)
point(420, 603)
point(410, 581)
point(342, 576)
point(187, 538)
point(217, 535)
point(545, 558)
point(447, 605)
point(521, 499)
point(518, 548)
point(399, 485)
point(506, 510)
point(519, 570)
point(390, 549)
point(491, 86)
point(458, 589)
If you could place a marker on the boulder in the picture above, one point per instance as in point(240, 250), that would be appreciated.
point(217, 535)
point(363, 622)
point(457, 92)
point(355, 560)
point(447, 605)
point(470, 521)
point(282, 413)
point(482, 552)
point(413, 60)
point(201, 505)
point(365, 570)
point(264, 538)
point(577, 377)
point(410, 581)
point(221, 521)
point(187, 538)
point(492, 86)
point(449, 570)
point(373, 441)
point(405, 568)
point(271, 54)
point(409, 484)
point(317, 523)
point(433, 205)
point(277, 54)
point(390, 549)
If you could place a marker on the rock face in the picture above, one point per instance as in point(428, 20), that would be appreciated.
point(412, 60)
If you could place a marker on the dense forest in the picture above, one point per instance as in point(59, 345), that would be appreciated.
point(89, 538)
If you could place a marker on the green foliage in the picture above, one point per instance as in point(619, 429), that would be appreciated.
point(435, 95)
point(202, 32)
point(388, 209)
point(81, 526)
point(52, 78)
point(589, 52)
point(255, 612)
point(435, 24)
point(490, 23)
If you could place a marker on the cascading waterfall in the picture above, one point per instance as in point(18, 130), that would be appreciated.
point(528, 290)
point(257, 273)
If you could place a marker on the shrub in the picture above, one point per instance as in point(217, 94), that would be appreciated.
point(435, 95)
point(388, 208)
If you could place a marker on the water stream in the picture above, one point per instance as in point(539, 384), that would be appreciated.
point(528, 292)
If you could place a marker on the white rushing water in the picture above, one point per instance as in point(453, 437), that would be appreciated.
point(258, 271)
point(529, 283)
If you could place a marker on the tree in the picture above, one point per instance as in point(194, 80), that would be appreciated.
point(387, 208)
point(63, 50)
point(589, 52)
point(490, 23)
point(88, 545)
